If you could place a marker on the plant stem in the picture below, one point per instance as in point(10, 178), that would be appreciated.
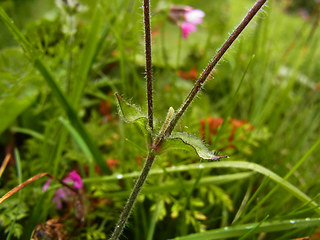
point(147, 37)
point(205, 75)
point(133, 196)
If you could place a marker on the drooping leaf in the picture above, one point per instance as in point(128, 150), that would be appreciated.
point(132, 114)
point(190, 143)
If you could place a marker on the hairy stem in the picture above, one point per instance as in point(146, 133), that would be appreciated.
point(147, 37)
point(205, 75)
point(132, 198)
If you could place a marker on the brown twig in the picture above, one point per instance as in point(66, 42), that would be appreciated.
point(4, 163)
point(32, 179)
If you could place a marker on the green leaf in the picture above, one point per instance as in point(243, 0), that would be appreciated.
point(132, 114)
point(89, 53)
point(18, 88)
point(72, 115)
point(174, 187)
point(190, 143)
point(240, 230)
point(56, 91)
point(20, 38)
point(77, 137)
point(224, 164)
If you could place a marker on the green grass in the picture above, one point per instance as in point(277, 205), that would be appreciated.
point(50, 117)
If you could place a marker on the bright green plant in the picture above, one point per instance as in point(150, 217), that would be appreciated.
point(183, 196)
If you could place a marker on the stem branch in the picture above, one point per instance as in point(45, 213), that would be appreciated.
point(147, 36)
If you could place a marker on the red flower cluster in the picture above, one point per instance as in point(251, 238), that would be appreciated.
point(215, 123)
point(112, 163)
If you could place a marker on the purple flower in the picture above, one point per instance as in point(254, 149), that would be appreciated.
point(46, 185)
point(60, 195)
point(75, 178)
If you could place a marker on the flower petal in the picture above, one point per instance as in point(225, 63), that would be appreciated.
point(194, 16)
point(46, 185)
point(77, 181)
point(187, 28)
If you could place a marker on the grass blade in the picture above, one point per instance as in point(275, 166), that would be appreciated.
point(89, 53)
point(296, 166)
point(225, 164)
point(74, 119)
point(173, 186)
point(79, 140)
point(24, 43)
point(240, 230)
point(48, 77)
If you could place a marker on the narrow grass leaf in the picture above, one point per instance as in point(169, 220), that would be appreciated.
point(295, 167)
point(27, 47)
point(88, 55)
point(29, 132)
point(240, 230)
point(74, 119)
point(20, 38)
point(77, 137)
point(18, 166)
point(253, 230)
point(232, 103)
point(274, 177)
point(174, 187)
point(225, 164)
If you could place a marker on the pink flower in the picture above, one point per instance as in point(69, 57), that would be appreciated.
point(194, 16)
point(187, 28)
point(62, 194)
point(75, 178)
point(46, 185)
point(190, 18)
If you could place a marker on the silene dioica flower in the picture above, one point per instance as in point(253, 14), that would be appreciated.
point(187, 18)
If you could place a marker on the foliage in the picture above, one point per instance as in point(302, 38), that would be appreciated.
point(58, 109)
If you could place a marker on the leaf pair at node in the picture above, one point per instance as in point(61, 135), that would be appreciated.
point(176, 141)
